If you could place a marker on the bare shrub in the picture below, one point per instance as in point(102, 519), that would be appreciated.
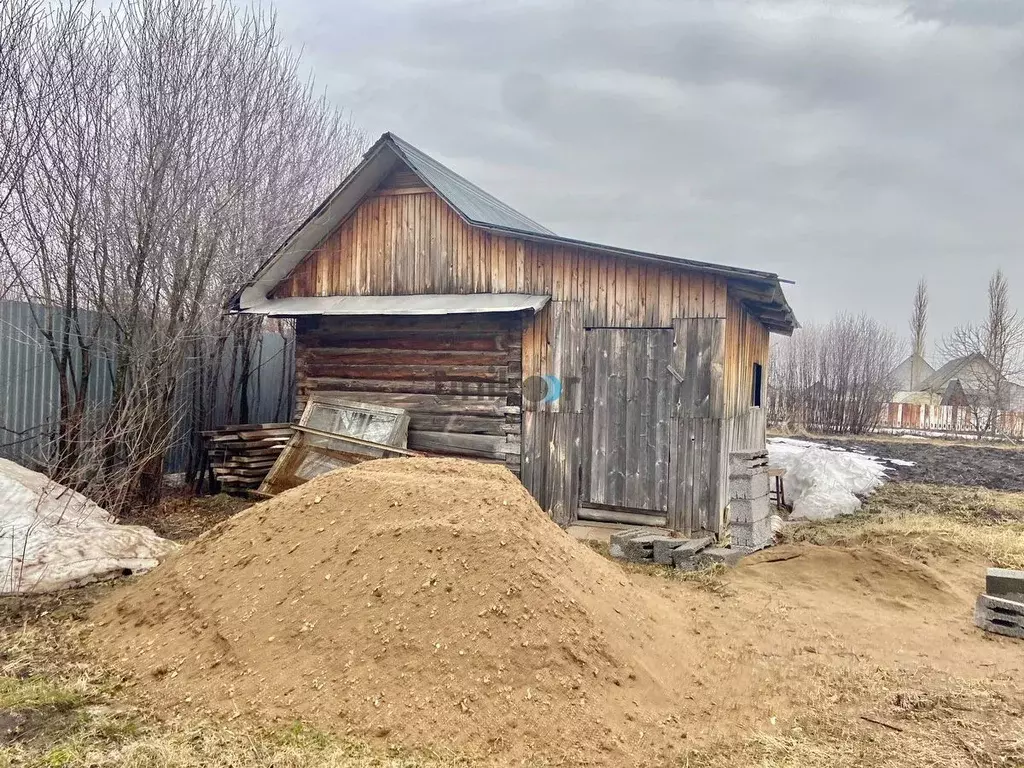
point(832, 378)
point(162, 151)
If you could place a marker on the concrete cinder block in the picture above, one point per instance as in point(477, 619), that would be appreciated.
point(1005, 583)
point(711, 556)
point(750, 486)
point(749, 510)
point(637, 549)
point(663, 547)
point(751, 455)
point(1000, 616)
point(617, 540)
point(742, 462)
point(689, 549)
point(756, 535)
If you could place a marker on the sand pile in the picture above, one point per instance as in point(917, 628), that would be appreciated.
point(426, 602)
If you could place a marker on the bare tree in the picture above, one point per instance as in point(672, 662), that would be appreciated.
point(833, 378)
point(992, 357)
point(19, 112)
point(163, 150)
point(918, 333)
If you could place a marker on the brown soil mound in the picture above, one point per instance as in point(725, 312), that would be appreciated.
point(428, 602)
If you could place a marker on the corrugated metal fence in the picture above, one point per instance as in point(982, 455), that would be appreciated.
point(29, 387)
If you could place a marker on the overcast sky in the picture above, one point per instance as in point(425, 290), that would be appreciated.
point(852, 147)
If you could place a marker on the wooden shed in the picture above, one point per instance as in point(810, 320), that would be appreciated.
point(613, 382)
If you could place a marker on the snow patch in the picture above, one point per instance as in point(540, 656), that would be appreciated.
point(52, 537)
point(822, 482)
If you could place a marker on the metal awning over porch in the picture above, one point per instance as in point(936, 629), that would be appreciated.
point(420, 304)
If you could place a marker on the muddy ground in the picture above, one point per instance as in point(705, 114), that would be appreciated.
point(940, 463)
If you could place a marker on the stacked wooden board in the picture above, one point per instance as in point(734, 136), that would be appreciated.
point(240, 456)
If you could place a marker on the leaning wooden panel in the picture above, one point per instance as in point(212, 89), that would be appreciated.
point(333, 433)
point(366, 421)
point(312, 453)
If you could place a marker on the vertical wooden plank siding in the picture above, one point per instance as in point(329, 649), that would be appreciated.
point(404, 241)
point(746, 343)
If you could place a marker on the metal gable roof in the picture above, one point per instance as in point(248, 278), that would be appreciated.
point(761, 292)
point(475, 205)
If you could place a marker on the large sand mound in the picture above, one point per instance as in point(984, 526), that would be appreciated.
point(428, 602)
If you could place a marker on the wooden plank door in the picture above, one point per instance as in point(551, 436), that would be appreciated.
point(629, 397)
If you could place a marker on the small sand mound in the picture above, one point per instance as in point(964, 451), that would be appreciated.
point(427, 602)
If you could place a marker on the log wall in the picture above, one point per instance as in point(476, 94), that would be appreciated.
point(459, 377)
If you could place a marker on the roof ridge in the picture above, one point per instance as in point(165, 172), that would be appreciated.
point(443, 179)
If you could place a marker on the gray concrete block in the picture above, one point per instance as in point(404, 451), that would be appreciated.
point(711, 556)
point(757, 535)
point(741, 456)
point(688, 549)
point(749, 510)
point(752, 486)
point(663, 547)
point(1000, 616)
point(638, 549)
point(617, 541)
point(1002, 582)
point(742, 462)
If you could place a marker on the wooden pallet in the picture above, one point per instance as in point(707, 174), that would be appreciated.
point(238, 457)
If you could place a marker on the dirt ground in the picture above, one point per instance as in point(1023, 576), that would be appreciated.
point(182, 516)
point(851, 644)
point(944, 463)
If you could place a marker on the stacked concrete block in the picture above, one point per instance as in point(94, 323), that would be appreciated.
point(684, 553)
point(750, 514)
point(1004, 583)
point(1001, 608)
point(644, 545)
point(635, 544)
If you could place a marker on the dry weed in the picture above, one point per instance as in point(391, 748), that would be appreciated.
point(924, 521)
point(710, 579)
point(74, 714)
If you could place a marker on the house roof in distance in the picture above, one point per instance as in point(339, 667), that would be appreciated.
point(951, 370)
point(761, 292)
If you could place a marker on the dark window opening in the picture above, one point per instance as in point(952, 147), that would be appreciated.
point(755, 397)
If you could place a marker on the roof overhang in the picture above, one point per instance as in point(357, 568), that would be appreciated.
point(422, 304)
point(376, 164)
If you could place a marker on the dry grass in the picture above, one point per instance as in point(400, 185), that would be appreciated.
point(966, 503)
point(923, 521)
point(711, 579)
point(861, 715)
point(71, 712)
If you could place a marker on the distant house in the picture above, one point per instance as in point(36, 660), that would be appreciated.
point(967, 394)
point(963, 380)
point(614, 382)
point(909, 375)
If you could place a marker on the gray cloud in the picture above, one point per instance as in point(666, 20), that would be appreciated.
point(852, 147)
